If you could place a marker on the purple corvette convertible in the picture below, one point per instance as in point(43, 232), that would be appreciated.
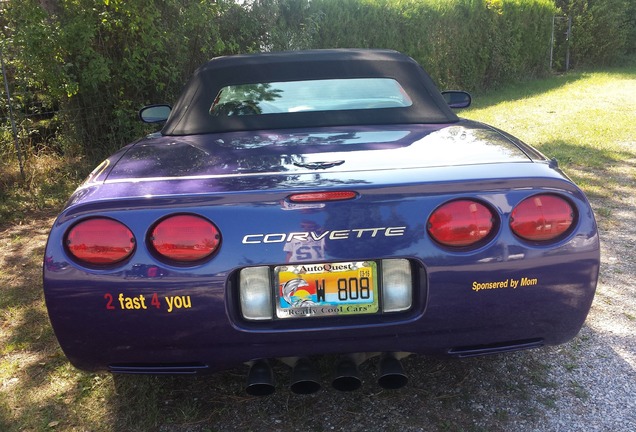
point(318, 202)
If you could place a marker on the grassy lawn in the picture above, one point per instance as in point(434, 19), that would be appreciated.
point(587, 120)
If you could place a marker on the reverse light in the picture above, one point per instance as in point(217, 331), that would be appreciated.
point(460, 223)
point(322, 196)
point(185, 238)
point(542, 218)
point(397, 285)
point(256, 293)
point(100, 241)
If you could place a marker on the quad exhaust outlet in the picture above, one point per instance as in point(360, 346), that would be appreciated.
point(347, 377)
point(260, 379)
point(391, 373)
point(305, 378)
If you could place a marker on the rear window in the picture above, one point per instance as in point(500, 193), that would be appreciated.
point(308, 96)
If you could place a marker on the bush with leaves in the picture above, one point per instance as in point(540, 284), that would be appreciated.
point(102, 60)
point(462, 43)
point(96, 62)
point(603, 31)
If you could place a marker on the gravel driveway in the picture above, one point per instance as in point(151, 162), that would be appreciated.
point(601, 375)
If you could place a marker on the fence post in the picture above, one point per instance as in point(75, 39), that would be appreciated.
point(567, 39)
point(552, 43)
point(16, 140)
point(568, 34)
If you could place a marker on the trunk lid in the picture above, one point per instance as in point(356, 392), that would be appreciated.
point(343, 149)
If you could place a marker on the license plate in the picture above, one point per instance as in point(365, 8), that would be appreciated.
point(326, 289)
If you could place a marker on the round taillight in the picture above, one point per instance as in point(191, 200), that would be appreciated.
point(185, 238)
point(100, 241)
point(460, 223)
point(542, 218)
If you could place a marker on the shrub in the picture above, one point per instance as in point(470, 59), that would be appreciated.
point(96, 62)
point(603, 31)
point(101, 61)
point(462, 43)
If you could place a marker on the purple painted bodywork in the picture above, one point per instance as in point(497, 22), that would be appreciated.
point(241, 181)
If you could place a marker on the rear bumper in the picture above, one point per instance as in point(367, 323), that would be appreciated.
point(146, 315)
point(450, 317)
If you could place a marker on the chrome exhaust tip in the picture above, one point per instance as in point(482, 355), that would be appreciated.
point(391, 373)
point(347, 376)
point(260, 379)
point(305, 378)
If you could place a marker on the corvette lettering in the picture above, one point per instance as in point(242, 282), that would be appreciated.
point(326, 235)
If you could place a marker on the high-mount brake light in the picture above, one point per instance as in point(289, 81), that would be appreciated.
point(542, 218)
point(100, 242)
point(185, 238)
point(460, 223)
point(310, 197)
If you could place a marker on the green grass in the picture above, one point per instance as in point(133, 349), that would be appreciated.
point(584, 119)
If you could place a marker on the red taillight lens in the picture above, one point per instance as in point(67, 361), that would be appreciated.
point(100, 241)
point(185, 238)
point(322, 196)
point(460, 223)
point(542, 218)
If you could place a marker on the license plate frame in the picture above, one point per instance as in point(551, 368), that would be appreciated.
point(326, 289)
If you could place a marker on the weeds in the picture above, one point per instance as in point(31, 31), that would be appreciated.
point(49, 181)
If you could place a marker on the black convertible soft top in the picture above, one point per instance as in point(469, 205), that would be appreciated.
point(191, 113)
